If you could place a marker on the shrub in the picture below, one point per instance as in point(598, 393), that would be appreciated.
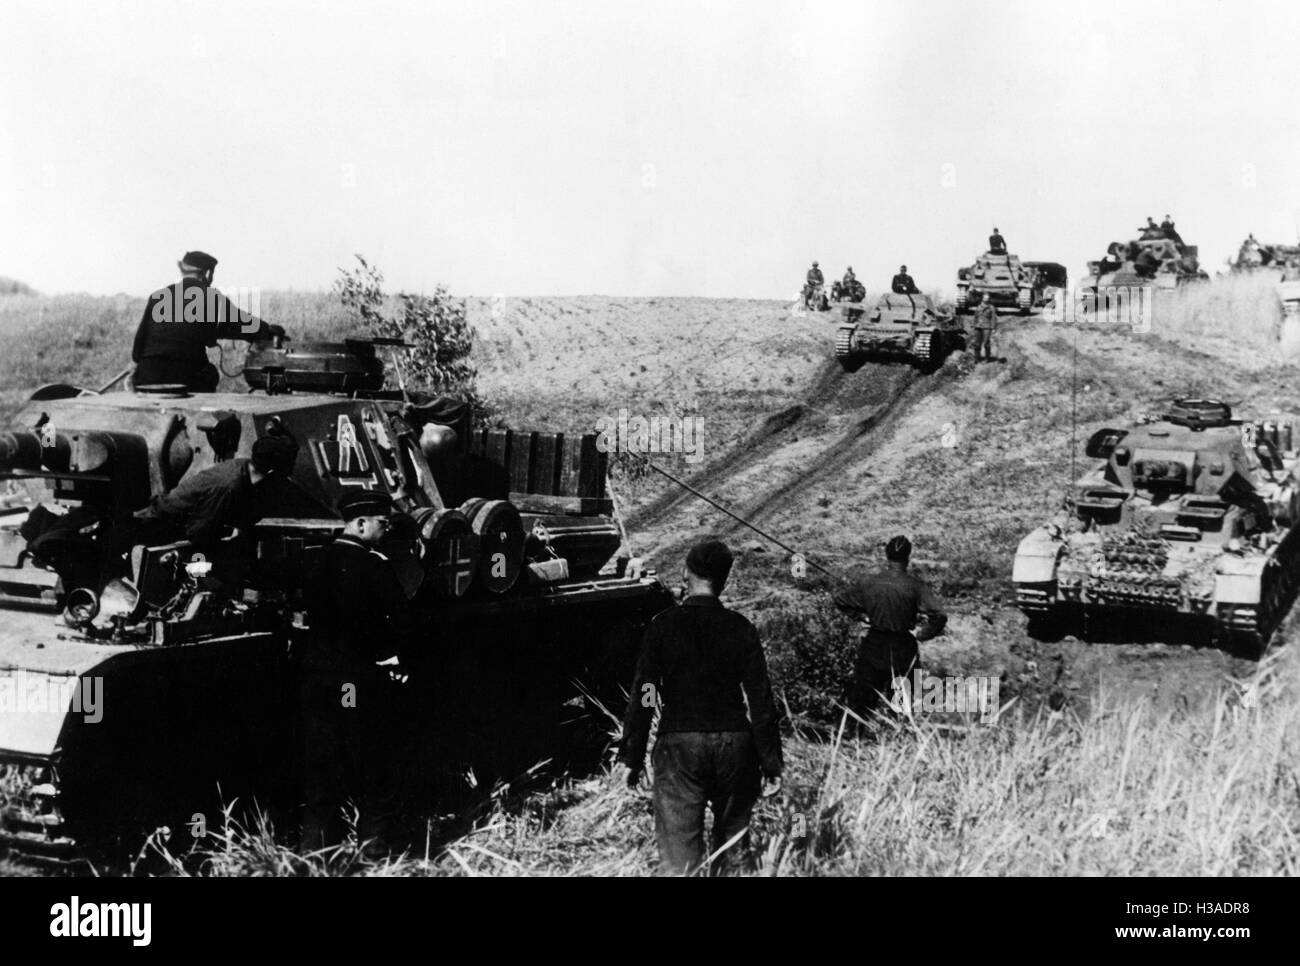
point(435, 325)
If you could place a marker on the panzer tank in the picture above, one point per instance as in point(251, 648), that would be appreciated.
point(1191, 514)
point(145, 684)
point(898, 327)
point(1156, 261)
point(1008, 283)
point(1280, 262)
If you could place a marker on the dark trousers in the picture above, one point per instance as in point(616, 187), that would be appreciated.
point(156, 371)
point(983, 344)
point(882, 657)
point(351, 752)
point(695, 768)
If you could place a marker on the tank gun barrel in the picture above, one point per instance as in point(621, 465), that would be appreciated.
point(20, 451)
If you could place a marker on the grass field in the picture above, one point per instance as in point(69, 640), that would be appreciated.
point(1112, 758)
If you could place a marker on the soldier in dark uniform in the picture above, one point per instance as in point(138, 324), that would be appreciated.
point(1167, 226)
point(232, 494)
point(986, 324)
point(997, 244)
point(700, 663)
point(892, 602)
point(182, 320)
point(350, 695)
point(902, 283)
point(815, 277)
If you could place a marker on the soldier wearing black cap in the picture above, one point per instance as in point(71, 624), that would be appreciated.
point(359, 621)
point(892, 602)
point(233, 494)
point(699, 664)
point(182, 321)
point(902, 284)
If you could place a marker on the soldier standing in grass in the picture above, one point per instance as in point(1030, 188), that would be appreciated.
point(182, 321)
point(351, 675)
point(700, 663)
point(900, 610)
point(986, 324)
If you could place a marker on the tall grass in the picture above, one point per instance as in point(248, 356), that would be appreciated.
point(1211, 790)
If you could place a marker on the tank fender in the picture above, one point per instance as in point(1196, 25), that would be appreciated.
point(1036, 558)
point(1237, 580)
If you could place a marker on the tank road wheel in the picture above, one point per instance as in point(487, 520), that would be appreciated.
point(500, 534)
point(1025, 300)
point(450, 551)
point(844, 351)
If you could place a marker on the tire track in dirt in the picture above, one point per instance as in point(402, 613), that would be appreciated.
point(749, 451)
point(891, 391)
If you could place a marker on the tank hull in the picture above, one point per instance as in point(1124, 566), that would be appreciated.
point(143, 737)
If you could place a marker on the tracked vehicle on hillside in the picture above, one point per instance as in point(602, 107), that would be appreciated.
point(1156, 261)
point(1193, 514)
point(898, 327)
point(149, 683)
point(1008, 283)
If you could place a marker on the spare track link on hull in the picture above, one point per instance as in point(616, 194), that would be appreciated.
point(30, 820)
point(844, 342)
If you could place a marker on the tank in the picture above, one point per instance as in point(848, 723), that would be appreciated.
point(898, 327)
point(1157, 260)
point(1191, 514)
point(1008, 283)
point(1280, 262)
point(146, 684)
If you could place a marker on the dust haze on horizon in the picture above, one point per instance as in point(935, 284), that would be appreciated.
point(631, 149)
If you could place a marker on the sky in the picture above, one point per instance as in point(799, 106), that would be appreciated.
point(560, 147)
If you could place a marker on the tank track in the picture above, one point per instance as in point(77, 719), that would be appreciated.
point(1253, 626)
point(844, 342)
point(1025, 300)
point(923, 348)
point(31, 821)
point(960, 303)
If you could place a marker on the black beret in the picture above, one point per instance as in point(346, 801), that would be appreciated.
point(200, 260)
point(899, 548)
point(275, 452)
point(711, 560)
point(364, 503)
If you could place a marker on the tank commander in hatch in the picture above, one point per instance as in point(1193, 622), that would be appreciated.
point(180, 322)
point(902, 284)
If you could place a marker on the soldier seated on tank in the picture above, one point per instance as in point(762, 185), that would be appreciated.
point(902, 284)
point(997, 244)
point(1150, 230)
point(1170, 232)
point(815, 276)
point(180, 322)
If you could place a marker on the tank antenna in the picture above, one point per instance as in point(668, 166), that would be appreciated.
point(1074, 403)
